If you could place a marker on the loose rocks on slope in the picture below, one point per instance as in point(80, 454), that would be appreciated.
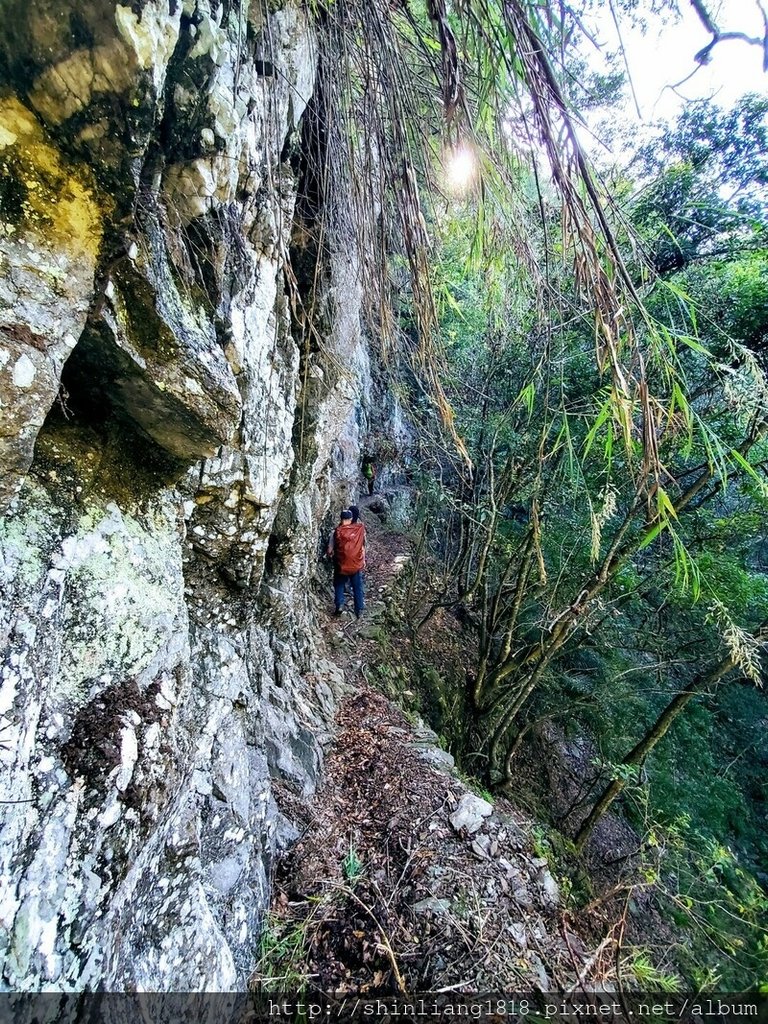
point(405, 880)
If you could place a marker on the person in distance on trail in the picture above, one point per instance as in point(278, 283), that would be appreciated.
point(369, 472)
point(347, 548)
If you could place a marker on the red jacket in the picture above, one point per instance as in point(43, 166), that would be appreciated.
point(349, 548)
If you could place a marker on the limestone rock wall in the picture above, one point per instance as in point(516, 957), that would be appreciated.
point(169, 448)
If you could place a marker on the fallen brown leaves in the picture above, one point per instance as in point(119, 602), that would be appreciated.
point(388, 896)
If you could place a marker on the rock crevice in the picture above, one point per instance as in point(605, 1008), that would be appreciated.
point(169, 449)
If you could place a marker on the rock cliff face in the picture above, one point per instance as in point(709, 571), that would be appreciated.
point(170, 443)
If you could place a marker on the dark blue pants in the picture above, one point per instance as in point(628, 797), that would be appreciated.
point(340, 590)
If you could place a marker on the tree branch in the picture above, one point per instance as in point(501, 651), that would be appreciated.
point(705, 53)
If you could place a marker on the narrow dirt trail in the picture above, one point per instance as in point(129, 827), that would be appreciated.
point(359, 648)
point(403, 879)
point(387, 552)
point(355, 645)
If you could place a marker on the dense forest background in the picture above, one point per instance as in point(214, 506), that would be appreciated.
point(591, 331)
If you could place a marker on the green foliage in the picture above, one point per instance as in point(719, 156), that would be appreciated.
point(540, 840)
point(728, 146)
point(723, 909)
point(589, 383)
point(282, 964)
point(647, 976)
point(389, 676)
point(352, 867)
point(602, 583)
point(473, 783)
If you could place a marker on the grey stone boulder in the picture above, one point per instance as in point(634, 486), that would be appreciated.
point(470, 813)
point(427, 743)
point(550, 890)
point(438, 758)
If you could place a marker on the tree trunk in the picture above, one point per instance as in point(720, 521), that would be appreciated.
point(656, 732)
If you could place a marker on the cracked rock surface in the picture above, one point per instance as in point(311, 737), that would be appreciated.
point(168, 455)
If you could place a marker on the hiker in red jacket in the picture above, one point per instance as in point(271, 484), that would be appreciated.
point(347, 547)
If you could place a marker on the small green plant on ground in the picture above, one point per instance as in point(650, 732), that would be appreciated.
point(541, 841)
point(352, 866)
point(575, 885)
point(282, 964)
point(649, 978)
point(472, 783)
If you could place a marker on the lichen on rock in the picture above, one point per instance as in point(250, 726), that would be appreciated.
point(51, 225)
point(169, 451)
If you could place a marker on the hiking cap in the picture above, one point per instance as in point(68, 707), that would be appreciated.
point(346, 514)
